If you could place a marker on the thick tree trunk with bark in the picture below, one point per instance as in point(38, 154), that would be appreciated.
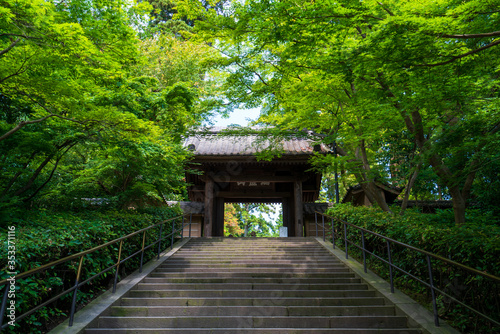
point(441, 170)
point(371, 190)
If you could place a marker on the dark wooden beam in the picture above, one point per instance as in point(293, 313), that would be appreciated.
point(262, 178)
point(253, 194)
point(253, 200)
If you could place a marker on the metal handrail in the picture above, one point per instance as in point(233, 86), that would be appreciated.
point(81, 256)
point(392, 266)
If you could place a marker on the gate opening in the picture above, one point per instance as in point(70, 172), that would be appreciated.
point(252, 219)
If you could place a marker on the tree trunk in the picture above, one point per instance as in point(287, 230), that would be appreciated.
point(459, 204)
point(415, 125)
point(404, 205)
point(371, 190)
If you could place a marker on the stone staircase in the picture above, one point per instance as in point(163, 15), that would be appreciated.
point(250, 285)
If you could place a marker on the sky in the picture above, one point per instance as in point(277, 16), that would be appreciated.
point(240, 117)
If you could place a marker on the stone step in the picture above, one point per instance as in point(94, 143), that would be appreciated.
point(254, 245)
point(252, 241)
point(252, 252)
point(294, 280)
point(236, 246)
point(252, 310)
point(251, 260)
point(202, 266)
point(262, 259)
point(255, 270)
point(251, 293)
point(253, 274)
point(250, 286)
point(264, 301)
point(239, 250)
point(253, 322)
point(254, 331)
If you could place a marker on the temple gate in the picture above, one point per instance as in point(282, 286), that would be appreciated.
point(226, 170)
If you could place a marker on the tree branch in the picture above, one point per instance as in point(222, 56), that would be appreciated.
point(37, 172)
point(486, 34)
point(412, 180)
point(22, 36)
point(51, 114)
point(23, 124)
point(106, 190)
point(50, 176)
point(4, 51)
point(13, 180)
point(19, 71)
point(385, 8)
point(32, 179)
point(462, 55)
point(254, 72)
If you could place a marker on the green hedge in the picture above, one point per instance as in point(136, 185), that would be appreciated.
point(43, 236)
point(475, 244)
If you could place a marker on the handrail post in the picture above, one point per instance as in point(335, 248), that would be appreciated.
point(190, 222)
point(159, 242)
point(364, 249)
point(316, 222)
point(345, 241)
point(390, 265)
point(173, 232)
point(118, 265)
point(324, 231)
point(333, 234)
point(142, 250)
point(4, 303)
point(73, 302)
point(431, 281)
point(182, 229)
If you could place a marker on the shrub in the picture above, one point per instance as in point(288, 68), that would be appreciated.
point(475, 244)
point(43, 236)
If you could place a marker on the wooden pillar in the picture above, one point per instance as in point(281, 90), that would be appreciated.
point(299, 216)
point(209, 207)
point(287, 216)
point(218, 223)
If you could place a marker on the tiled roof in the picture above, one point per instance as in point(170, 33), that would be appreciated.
point(210, 143)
